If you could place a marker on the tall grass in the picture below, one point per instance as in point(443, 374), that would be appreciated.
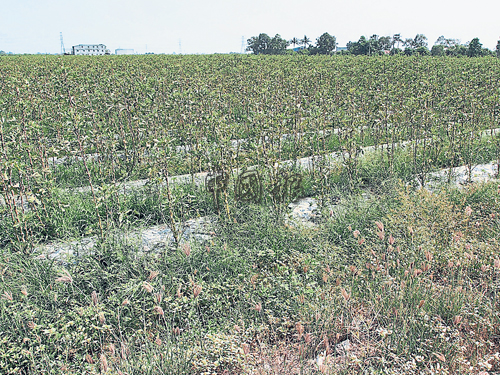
point(388, 279)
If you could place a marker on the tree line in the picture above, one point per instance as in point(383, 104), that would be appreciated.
point(265, 45)
point(326, 44)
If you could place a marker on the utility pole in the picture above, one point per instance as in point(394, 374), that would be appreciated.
point(180, 47)
point(242, 43)
point(63, 50)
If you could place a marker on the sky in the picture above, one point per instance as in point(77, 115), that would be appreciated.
point(220, 26)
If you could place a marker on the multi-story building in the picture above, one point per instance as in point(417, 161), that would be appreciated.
point(90, 49)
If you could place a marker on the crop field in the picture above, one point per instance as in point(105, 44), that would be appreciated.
point(233, 214)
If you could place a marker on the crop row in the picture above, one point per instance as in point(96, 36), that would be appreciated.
point(68, 122)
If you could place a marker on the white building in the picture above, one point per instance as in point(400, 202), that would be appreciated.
point(90, 49)
point(123, 51)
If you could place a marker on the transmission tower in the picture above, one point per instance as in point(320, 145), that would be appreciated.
point(180, 47)
point(63, 50)
point(242, 43)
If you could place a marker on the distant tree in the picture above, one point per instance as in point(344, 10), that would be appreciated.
point(488, 52)
point(440, 41)
point(379, 44)
point(420, 40)
point(386, 43)
point(259, 44)
point(396, 38)
point(326, 44)
point(456, 51)
point(351, 46)
point(437, 50)
point(447, 42)
point(278, 45)
point(475, 48)
point(409, 51)
point(396, 51)
point(361, 47)
point(422, 51)
point(374, 47)
point(498, 49)
point(305, 41)
point(408, 42)
point(264, 44)
point(294, 41)
point(3, 53)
